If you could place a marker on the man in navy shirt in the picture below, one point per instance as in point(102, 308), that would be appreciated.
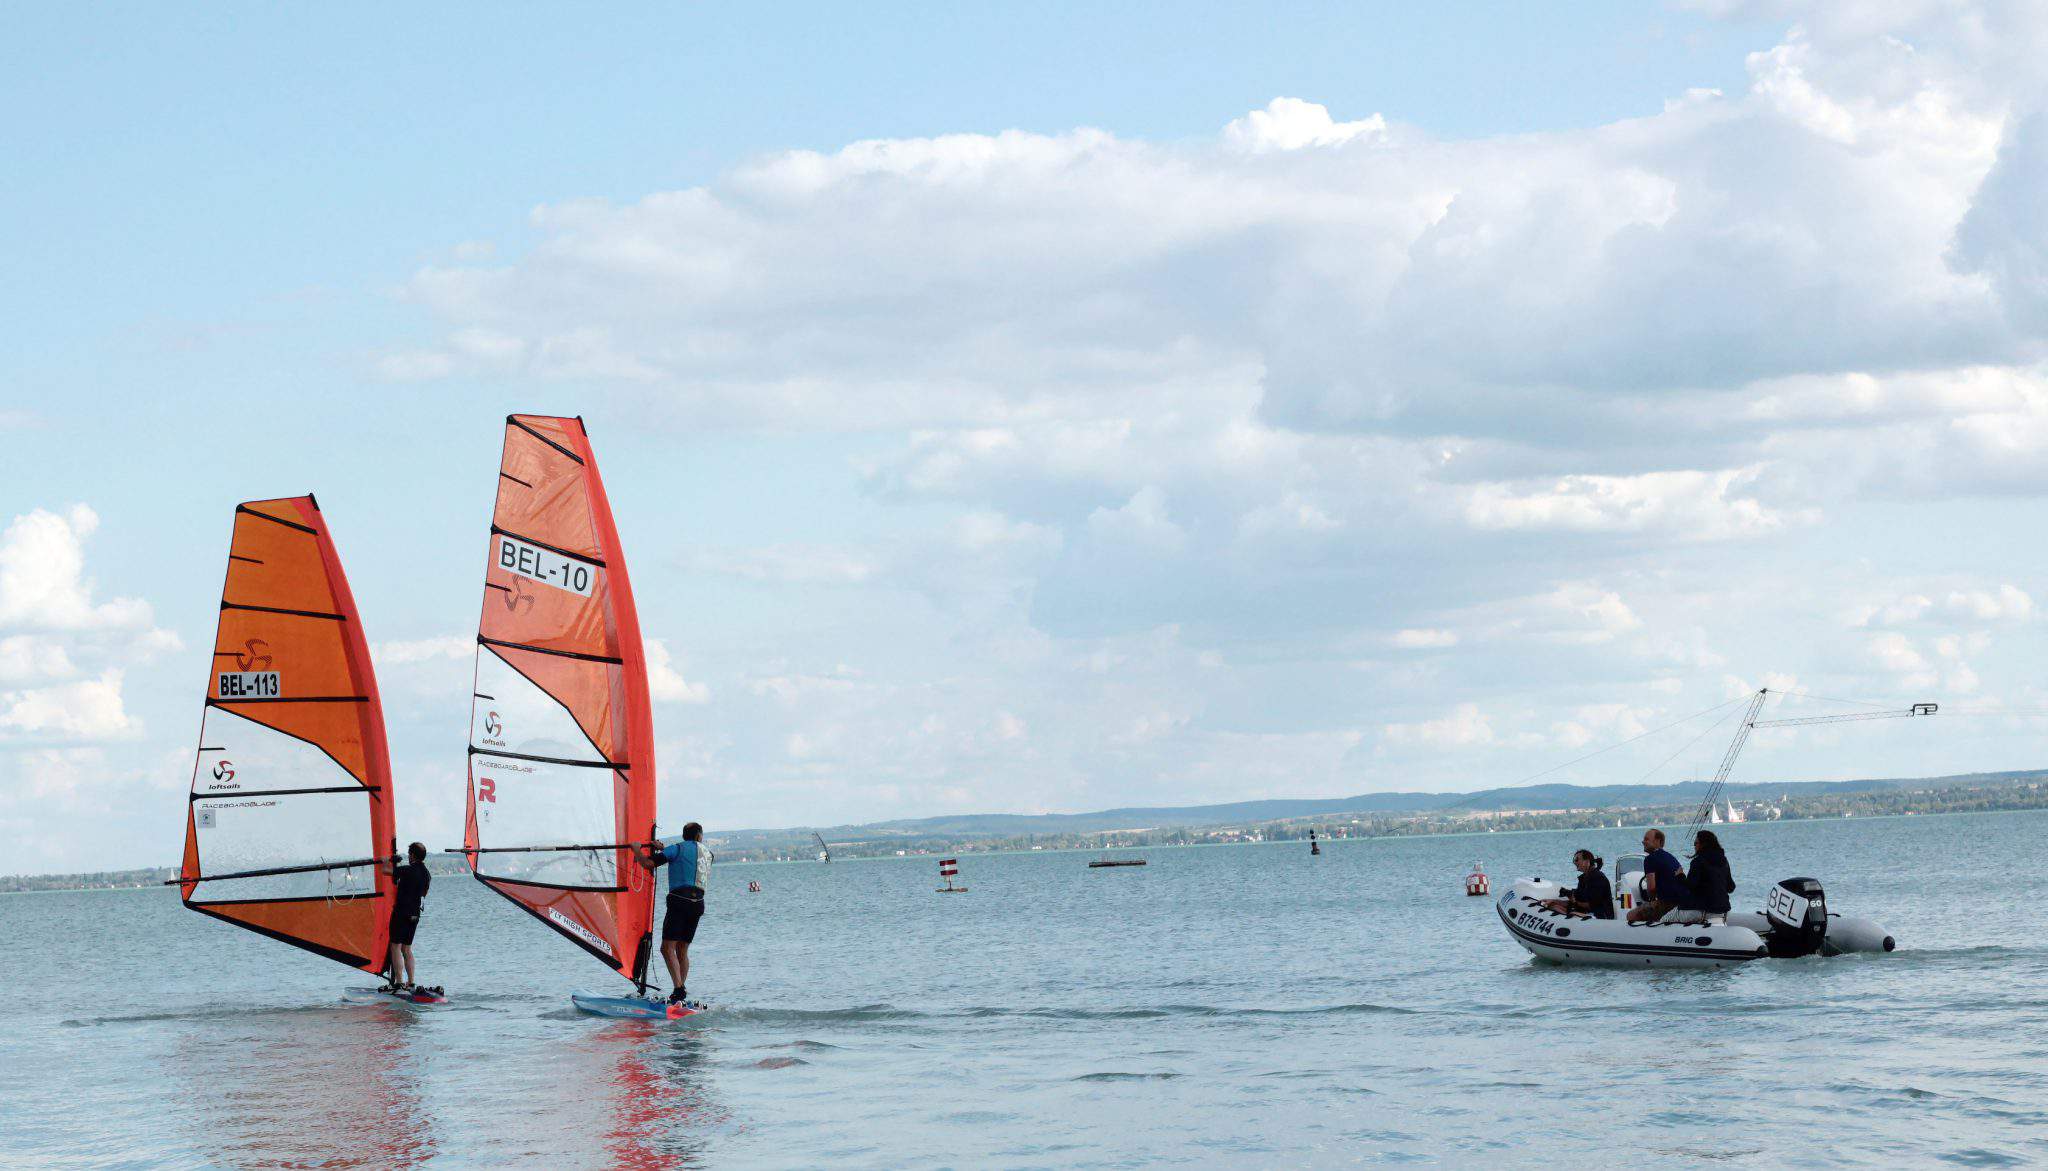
point(410, 880)
point(1663, 880)
point(689, 872)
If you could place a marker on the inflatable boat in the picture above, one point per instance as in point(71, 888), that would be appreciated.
point(1794, 922)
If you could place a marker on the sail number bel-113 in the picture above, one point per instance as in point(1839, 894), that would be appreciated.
point(249, 685)
point(546, 566)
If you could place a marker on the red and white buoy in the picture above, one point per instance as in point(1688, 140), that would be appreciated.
point(753, 888)
point(948, 868)
point(1475, 882)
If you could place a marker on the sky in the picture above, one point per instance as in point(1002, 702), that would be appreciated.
point(1049, 410)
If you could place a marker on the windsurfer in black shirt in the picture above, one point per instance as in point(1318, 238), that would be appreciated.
point(412, 881)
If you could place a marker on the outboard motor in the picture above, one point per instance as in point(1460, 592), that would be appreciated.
point(1798, 913)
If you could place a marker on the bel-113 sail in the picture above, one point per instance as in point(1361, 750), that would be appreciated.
point(290, 811)
point(561, 742)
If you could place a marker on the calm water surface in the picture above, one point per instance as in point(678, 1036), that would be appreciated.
point(1250, 1006)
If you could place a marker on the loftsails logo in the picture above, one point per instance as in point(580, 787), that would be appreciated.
point(254, 656)
point(494, 730)
point(516, 597)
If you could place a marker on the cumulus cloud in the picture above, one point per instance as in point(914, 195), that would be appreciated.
point(665, 684)
point(1142, 524)
point(423, 650)
point(42, 577)
point(1190, 425)
point(1464, 727)
point(1076, 318)
point(787, 563)
point(1425, 639)
point(1684, 504)
point(89, 709)
point(24, 657)
point(1291, 124)
point(64, 652)
point(2006, 603)
point(1895, 652)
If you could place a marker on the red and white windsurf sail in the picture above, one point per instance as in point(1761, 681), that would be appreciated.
point(561, 737)
point(291, 796)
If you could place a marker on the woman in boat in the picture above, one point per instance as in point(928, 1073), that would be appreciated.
point(1593, 896)
point(1709, 882)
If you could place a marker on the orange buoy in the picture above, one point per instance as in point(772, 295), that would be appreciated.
point(1475, 882)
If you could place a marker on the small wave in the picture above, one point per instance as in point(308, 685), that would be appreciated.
point(1359, 1009)
point(1981, 1157)
point(1117, 1076)
point(779, 1062)
point(856, 1014)
point(223, 1012)
point(1154, 1012)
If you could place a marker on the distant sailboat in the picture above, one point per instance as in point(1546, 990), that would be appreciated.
point(824, 851)
point(1734, 815)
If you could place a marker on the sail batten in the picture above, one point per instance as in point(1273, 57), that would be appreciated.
point(290, 808)
point(561, 735)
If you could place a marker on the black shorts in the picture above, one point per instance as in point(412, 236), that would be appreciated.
point(404, 921)
point(685, 907)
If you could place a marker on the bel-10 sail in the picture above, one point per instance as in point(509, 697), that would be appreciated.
point(291, 797)
point(561, 739)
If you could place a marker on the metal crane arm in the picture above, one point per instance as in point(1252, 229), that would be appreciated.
point(1918, 709)
point(1749, 721)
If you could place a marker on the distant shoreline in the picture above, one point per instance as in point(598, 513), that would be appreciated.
point(140, 885)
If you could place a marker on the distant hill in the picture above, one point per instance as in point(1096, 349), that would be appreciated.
point(1627, 796)
point(1008, 824)
point(972, 825)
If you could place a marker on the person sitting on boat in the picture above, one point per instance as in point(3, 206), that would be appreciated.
point(412, 881)
point(1593, 896)
point(1663, 880)
point(1709, 882)
point(689, 875)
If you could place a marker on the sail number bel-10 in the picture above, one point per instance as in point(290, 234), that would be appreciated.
point(546, 566)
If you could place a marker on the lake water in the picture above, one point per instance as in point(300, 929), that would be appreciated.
point(1241, 1006)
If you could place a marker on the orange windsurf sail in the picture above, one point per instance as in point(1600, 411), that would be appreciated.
point(561, 740)
point(291, 794)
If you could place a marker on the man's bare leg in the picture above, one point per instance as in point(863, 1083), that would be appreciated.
point(397, 958)
point(671, 951)
point(682, 965)
point(405, 950)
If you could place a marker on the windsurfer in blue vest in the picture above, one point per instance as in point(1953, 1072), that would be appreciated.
point(689, 873)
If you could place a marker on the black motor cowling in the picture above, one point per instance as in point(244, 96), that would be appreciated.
point(1798, 912)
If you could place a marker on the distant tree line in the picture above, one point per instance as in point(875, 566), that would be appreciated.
point(1805, 807)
